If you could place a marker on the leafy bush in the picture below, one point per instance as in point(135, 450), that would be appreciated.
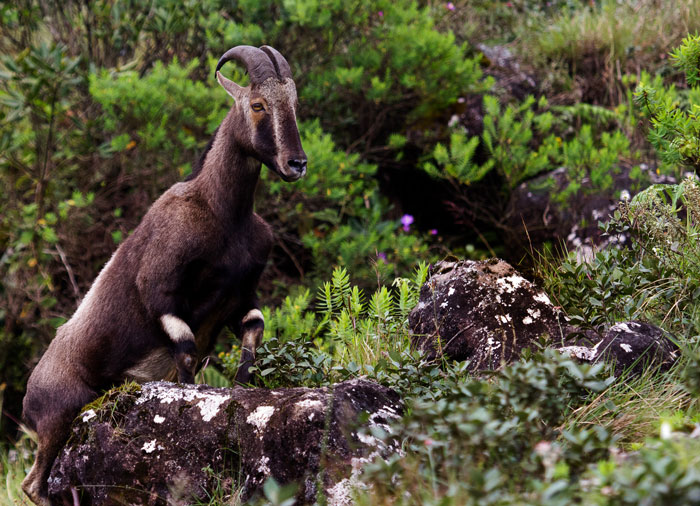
point(675, 117)
point(654, 278)
point(465, 442)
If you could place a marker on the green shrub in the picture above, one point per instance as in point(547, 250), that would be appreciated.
point(675, 117)
point(487, 441)
point(654, 277)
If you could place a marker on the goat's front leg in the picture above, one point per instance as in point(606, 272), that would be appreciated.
point(252, 327)
point(184, 347)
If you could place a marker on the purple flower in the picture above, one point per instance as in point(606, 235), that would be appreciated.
point(433, 231)
point(382, 255)
point(381, 14)
point(450, 6)
point(406, 221)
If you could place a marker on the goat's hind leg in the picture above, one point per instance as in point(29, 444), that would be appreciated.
point(52, 415)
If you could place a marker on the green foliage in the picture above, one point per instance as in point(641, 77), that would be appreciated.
point(156, 120)
point(396, 70)
point(675, 126)
point(524, 140)
point(348, 334)
point(466, 440)
point(654, 278)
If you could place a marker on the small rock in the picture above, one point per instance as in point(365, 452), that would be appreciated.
point(633, 346)
point(484, 312)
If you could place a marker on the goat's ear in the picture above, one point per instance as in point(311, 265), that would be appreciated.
point(231, 88)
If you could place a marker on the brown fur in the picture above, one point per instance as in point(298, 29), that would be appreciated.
point(197, 256)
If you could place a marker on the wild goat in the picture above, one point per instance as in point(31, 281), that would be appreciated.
point(191, 267)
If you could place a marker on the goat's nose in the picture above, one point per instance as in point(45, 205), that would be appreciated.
point(299, 165)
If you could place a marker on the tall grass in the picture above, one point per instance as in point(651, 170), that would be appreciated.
point(15, 462)
point(598, 45)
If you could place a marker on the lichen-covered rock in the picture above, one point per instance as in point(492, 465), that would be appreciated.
point(631, 346)
point(165, 443)
point(484, 312)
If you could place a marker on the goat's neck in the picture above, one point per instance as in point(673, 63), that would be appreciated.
point(229, 177)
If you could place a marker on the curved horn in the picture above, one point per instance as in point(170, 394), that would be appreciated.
point(279, 61)
point(255, 60)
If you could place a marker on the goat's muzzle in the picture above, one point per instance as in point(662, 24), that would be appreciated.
point(295, 169)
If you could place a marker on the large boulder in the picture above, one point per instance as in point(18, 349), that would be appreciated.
point(632, 347)
point(484, 312)
point(164, 443)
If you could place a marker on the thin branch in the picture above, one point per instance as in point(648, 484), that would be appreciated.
point(69, 270)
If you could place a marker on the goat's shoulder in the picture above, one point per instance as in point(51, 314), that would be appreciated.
point(180, 210)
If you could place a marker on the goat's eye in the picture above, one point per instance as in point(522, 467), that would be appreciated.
point(257, 107)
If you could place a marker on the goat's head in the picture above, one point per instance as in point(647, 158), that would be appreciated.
point(268, 105)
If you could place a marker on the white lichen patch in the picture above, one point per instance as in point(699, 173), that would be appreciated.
point(149, 446)
point(624, 327)
point(260, 417)
point(503, 318)
point(158, 419)
point(581, 352)
point(208, 403)
point(368, 440)
point(543, 298)
point(492, 345)
point(626, 347)
point(209, 406)
point(511, 283)
point(450, 291)
point(535, 313)
point(527, 321)
point(310, 404)
point(263, 466)
point(89, 415)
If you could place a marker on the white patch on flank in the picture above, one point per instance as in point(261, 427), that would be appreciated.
point(260, 417)
point(89, 415)
point(511, 283)
point(149, 447)
point(626, 347)
point(158, 419)
point(158, 364)
point(542, 297)
point(208, 402)
point(177, 330)
point(253, 314)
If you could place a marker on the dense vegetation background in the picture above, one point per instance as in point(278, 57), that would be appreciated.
point(417, 141)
